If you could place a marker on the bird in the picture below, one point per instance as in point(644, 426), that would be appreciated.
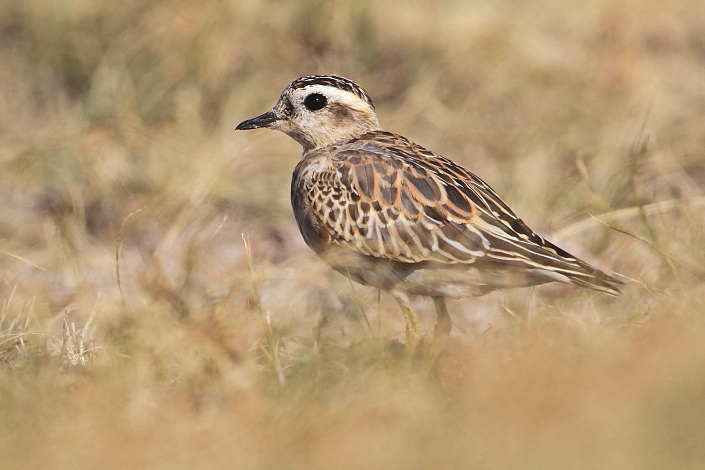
point(391, 214)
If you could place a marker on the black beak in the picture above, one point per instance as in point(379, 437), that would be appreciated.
point(263, 120)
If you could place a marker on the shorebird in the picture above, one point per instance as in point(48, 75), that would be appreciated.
point(391, 214)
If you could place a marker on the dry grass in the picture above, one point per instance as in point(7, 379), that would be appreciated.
point(116, 126)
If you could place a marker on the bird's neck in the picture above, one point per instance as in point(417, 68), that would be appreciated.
point(347, 127)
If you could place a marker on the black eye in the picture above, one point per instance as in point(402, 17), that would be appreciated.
point(315, 101)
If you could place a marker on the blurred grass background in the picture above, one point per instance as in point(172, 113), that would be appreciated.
point(116, 130)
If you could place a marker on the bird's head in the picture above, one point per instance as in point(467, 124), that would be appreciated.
point(319, 110)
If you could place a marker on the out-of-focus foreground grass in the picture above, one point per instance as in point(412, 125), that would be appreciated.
point(116, 123)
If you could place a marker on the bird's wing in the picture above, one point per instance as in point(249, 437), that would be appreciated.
point(390, 198)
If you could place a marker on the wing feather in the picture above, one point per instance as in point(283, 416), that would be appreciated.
point(387, 197)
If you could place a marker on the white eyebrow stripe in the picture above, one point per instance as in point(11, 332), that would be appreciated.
point(335, 95)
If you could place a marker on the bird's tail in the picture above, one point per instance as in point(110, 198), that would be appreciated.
point(595, 279)
point(575, 271)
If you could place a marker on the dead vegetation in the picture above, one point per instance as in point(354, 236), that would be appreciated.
point(118, 158)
